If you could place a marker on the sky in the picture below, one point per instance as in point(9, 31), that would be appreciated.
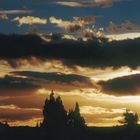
point(86, 51)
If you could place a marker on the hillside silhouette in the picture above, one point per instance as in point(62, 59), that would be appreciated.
point(59, 124)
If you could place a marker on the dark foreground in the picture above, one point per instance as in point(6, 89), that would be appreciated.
point(90, 133)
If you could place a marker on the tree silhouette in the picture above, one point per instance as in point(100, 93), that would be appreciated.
point(54, 113)
point(130, 118)
point(60, 112)
point(4, 125)
point(75, 120)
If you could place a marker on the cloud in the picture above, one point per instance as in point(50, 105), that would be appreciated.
point(100, 116)
point(103, 2)
point(100, 110)
point(126, 85)
point(9, 12)
point(15, 113)
point(17, 86)
point(24, 101)
point(67, 25)
point(72, 26)
point(16, 63)
point(123, 28)
point(88, 3)
point(4, 17)
point(59, 81)
point(70, 3)
point(123, 36)
point(98, 52)
point(86, 19)
point(68, 78)
point(92, 34)
point(22, 83)
point(29, 20)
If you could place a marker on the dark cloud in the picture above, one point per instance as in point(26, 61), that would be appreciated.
point(97, 52)
point(54, 76)
point(11, 82)
point(73, 28)
point(58, 81)
point(18, 114)
point(127, 85)
point(124, 27)
point(27, 82)
point(17, 86)
point(88, 19)
point(25, 101)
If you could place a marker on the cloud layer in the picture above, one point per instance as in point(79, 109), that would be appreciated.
point(127, 85)
point(17, 86)
point(15, 113)
point(93, 53)
point(28, 82)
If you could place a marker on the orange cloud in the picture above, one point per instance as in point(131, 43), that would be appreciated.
point(99, 116)
point(14, 113)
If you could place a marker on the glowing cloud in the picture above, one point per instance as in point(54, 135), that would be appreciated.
point(100, 110)
point(71, 4)
point(29, 20)
point(4, 17)
point(67, 25)
point(9, 12)
point(72, 26)
point(102, 2)
point(102, 116)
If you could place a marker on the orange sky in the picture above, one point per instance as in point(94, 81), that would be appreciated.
point(22, 105)
point(87, 51)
